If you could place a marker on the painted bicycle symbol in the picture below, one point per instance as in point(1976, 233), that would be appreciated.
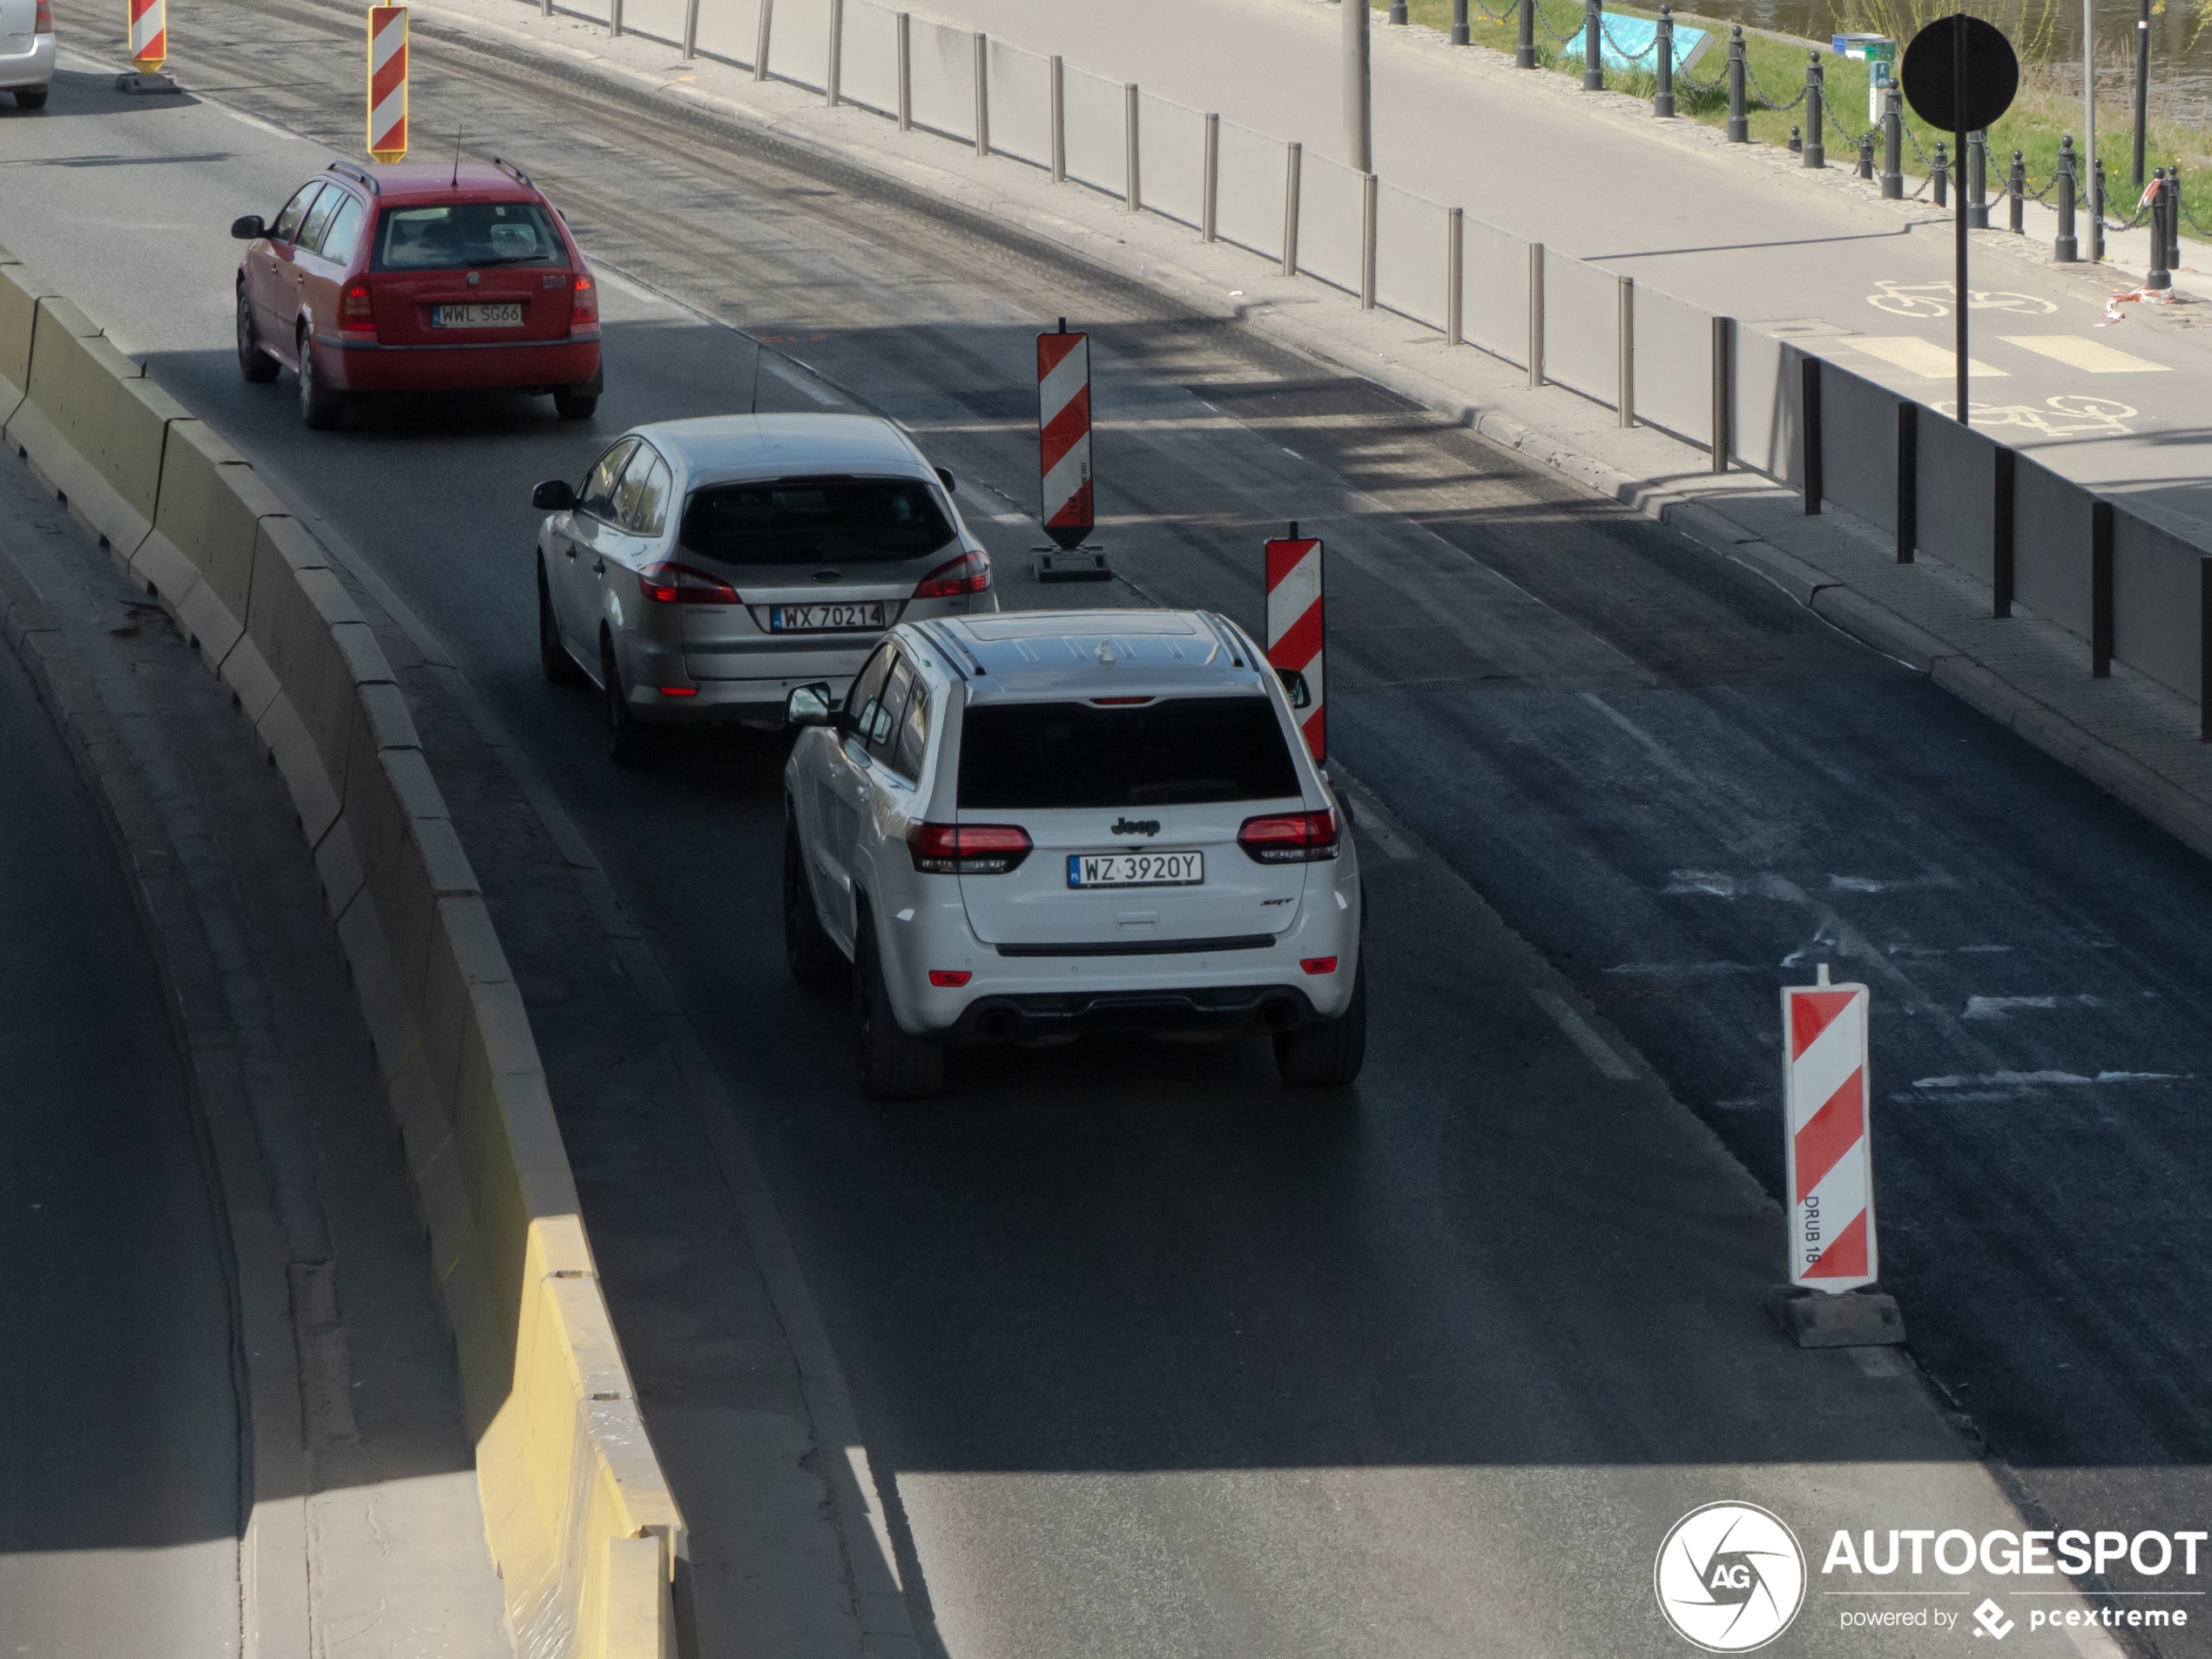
point(1934, 300)
point(2065, 416)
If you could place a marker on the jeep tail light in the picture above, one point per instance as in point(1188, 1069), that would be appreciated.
point(1319, 964)
point(949, 979)
point(967, 849)
point(970, 573)
point(583, 308)
point(679, 584)
point(359, 314)
point(45, 23)
point(1293, 838)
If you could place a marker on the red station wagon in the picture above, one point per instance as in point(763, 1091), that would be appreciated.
point(418, 278)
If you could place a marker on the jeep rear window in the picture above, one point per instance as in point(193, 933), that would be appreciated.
point(452, 236)
point(1180, 750)
point(815, 520)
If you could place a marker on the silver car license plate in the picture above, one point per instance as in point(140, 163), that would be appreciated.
point(826, 619)
point(1135, 869)
point(506, 316)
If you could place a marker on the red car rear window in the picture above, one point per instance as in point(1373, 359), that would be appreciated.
point(450, 236)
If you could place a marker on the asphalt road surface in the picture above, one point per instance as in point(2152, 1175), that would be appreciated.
point(1151, 1357)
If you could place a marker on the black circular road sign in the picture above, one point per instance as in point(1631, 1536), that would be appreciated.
point(1960, 74)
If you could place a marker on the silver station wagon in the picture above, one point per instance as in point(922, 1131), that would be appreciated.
point(705, 569)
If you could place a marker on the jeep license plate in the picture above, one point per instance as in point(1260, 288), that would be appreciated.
point(1135, 869)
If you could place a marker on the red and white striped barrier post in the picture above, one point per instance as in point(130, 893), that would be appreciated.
point(1296, 628)
point(1065, 505)
point(149, 48)
point(388, 82)
point(1829, 1160)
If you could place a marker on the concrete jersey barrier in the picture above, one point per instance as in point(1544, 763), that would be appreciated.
point(590, 1546)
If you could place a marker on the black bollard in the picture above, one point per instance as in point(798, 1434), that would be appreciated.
point(2016, 188)
point(1866, 155)
point(1796, 142)
point(1460, 35)
point(1739, 124)
point(2161, 274)
point(1398, 12)
point(2173, 219)
point(1893, 145)
point(1816, 150)
point(1594, 45)
point(1939, 177)
point(1977, 181)
point(2097, 211)
point(1662, 92)
point(1524, 51)
point(2064, 250)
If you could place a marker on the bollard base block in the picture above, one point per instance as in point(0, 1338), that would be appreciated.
point(131, 81)
point(1854, 1319)
point(1070, 564)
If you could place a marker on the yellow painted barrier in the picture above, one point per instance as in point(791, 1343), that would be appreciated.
point(589, 1540)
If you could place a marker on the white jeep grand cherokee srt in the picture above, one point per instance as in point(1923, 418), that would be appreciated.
point(1033, 825)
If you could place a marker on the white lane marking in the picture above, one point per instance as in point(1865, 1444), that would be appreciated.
point(2015, 1079)
point(260, 126)
point(1579, 1032)
point(1917, 356)
point(1368, 814)
point(793, 376)
point(1996, 1007)
point(2091, 357)
point(865, 1478)
point(613, 279)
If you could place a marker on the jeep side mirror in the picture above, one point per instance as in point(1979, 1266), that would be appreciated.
point(554, 495)
point(1296, 689)
point(945, 477)
point(810, 705)
point(249, 228)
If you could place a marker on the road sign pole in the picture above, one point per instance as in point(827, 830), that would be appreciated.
point(1959, 235)
point(2142, 83)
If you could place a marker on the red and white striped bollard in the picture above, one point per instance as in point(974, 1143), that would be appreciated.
point(388, 82)
point(1296, 628)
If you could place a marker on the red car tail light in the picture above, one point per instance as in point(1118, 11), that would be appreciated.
point(967, 849)
point(970, 573)
point(584, 310)
point(43, 24)
point(949, 979)
point(679, 584)
point(1294, 838)
point(359, 314)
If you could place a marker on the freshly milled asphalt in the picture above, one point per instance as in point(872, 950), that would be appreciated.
point(119, 1439)
point(1158, 1357)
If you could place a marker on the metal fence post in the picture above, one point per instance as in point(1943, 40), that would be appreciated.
point(1293, 167)
point(833, 92)
point(1978, 181)
point(906, 70)
point(2000, 535)
point(1739, 119)
point(1059, 82)
point(2160, 275)
point(2016, 187)
point(1865, 155)
point(1939, 177)
point(614, 19)
point(1370, 196)
point(1398, 13)
point(1524, 50)
point(2064, 250)
point(1723, 385)
point(1460, 35)
point(2100, 590)
point(1663, 91)
point(1809, 428)
point(1625, 398)
point(2173, 219)
point(1129, 136)
point(1893, 145)
point(1455, 225)
point(1209, 201)
point(2204, 650)
point(760, 39)
point(1908, 479)
point(1593, 46)
point(1536, 313)
point(983, 95)
point(691, 29)
point(1816, 149)
point(2096, 210)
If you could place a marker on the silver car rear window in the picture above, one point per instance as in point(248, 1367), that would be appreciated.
point(1176, 751)
point(815, 520)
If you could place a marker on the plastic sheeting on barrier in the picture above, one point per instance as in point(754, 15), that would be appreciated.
point(1763, 402)
point(867, 70)
point(1674, 365)
point(661, 20)
point(1172, 159)
point(1494, 292)
point(1021, 86)
point(1252, 190)
point(1412, 255)
point(589, 11)
point(730, 29)
point(1097, 117)
point(1331, 201)
point(943, 67)
point(1582, 327)
point(798, 42)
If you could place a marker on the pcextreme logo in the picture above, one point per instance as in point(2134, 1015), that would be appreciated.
point(1729, 1577)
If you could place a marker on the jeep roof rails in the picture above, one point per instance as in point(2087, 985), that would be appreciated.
point(357, 173)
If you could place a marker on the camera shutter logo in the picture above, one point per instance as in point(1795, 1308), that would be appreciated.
point(1729, 1577)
